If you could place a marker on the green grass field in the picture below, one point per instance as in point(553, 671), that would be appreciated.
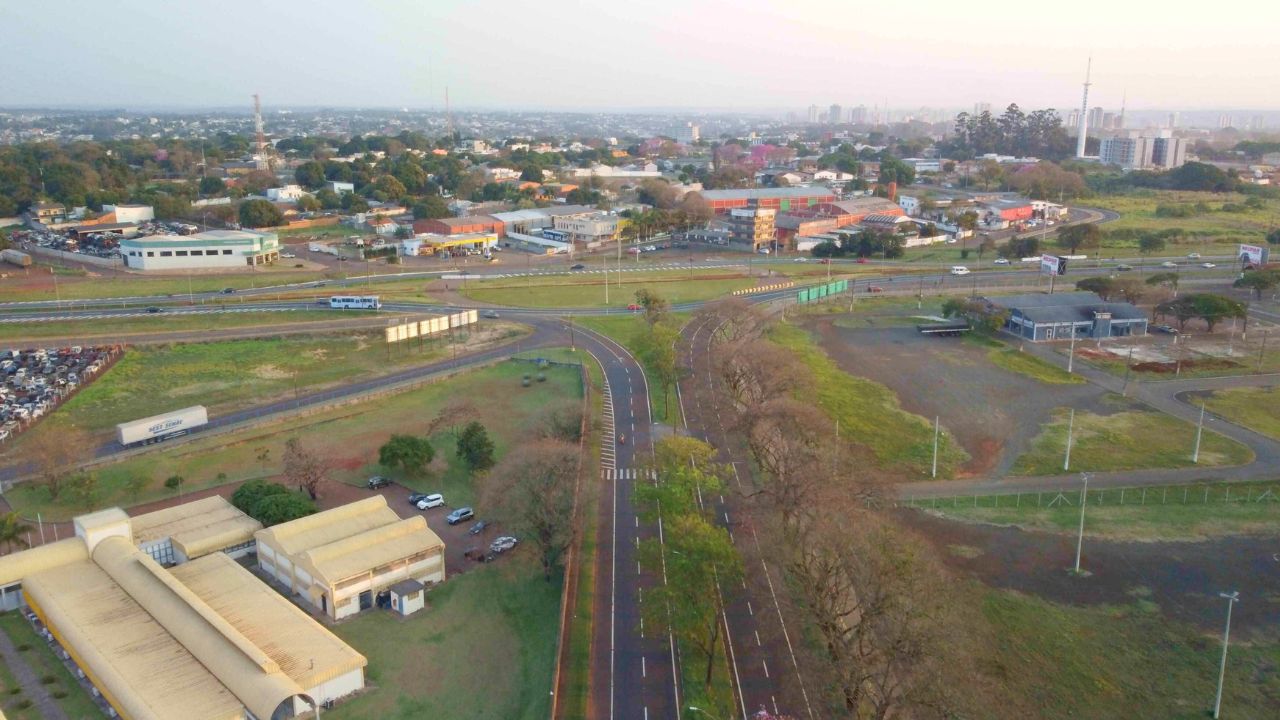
point(1175, 512)
point(109, 328)
point(869, 413)
point(589, 290)
point(348, 437)
point(1254, 408)
point(1033, 367)
point(232, 374)
point(1114, 663)
point(623, 329)
point(1130, 439)
point(39, 286)
point(484, 647)
point(75, 702)
point(1212, 232)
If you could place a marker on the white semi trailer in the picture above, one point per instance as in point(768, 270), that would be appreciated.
point(161, 427)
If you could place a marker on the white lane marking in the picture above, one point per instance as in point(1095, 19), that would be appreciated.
point(749, 610)
point(766, 667)
point(643, 668)
point(758, 643)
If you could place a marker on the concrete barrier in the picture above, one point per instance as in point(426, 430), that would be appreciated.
point(764, 288)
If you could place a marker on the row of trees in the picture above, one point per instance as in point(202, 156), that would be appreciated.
point(873, 596)
point(1014, 132)
point(863, 243)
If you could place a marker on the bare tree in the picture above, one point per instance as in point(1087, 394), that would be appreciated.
point(304, 467)
point(563, 421)
point(55, 456)
point(456, 412)
point(531, 491)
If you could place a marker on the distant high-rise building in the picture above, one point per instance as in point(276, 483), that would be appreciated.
point(1131, 152)
point(1109, 121)
point(981, 107)
point(835, 115)
point(1096, 114)
point(1258, 122)
point(813, 114)
point(1073, 118)
point(1225, 121)
point(687, 134)
point(858, 115)
point(1168, 152)
point(1173, 120)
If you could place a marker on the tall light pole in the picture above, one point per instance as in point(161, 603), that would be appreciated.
point(1195, 454)
point(1084, 498)
point(1071, 426)
point(1232, 598)
point(1071, 354)
point(936, 421)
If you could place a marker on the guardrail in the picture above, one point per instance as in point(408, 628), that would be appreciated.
point(764, 288)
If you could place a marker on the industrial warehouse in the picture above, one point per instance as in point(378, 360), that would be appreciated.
point(210, 249)
point(343, 560)
point(204, 640)
point(1039, 317)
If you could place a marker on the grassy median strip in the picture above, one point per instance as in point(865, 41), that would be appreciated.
point(1132, 438)
point(1154, 512)
point(109, 329)
point(1255, 408)
point(57, 680)
point(588, 290)
point(869, 413)
point(623, 330)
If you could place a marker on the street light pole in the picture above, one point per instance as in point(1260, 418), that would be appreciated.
point(1071, 354)
point(1195, 454)
point(1071, 426)
point(1232, 598)
point(1084, 498)
point(936, 421)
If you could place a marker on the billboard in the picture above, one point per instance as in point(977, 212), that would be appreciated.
point(1253, 255)
point(1050, 265)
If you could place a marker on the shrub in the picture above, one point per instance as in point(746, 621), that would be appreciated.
point(48, 679)
point(23, 647)
point(23, 704)
point(59, 694)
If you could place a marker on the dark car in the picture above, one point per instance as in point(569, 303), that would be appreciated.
point(154, 309)
point(415, 498)
point(491, 314)
point(1124, 268)
point(462, 514)
point(228, 291)
point(377, 481)
point(579, 266)
point(1166, 329)
point(479, 527)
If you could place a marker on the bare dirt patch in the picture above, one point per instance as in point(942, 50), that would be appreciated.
point(271, 372)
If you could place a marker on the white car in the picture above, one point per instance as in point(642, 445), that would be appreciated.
point(431, 501)
point(1001, 261)
point(502, 544)
point(801, 259)
point(959, 270)
point(1169, 264)
point(1193, 256)
point(1208, 265)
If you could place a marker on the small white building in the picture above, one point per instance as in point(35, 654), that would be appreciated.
point(287, 193)
point(131, 213)
point(340, 187)
point(210, 249)
point(408, 596)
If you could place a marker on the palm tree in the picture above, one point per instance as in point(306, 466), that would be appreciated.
point(13, 530)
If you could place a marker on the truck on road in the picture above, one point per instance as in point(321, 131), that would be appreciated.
point(157, 428)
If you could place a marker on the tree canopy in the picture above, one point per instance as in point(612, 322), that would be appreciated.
point(410, 453)
point(259, 213)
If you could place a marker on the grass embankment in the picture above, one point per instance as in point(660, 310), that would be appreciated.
point(1255, 408)
point(39, 286)
point(348, 437)
point(1177, 512)
point(62, 686)
point(588, 290)
point(233, 374)
point(1058, 661)
point(107, 329)
point(869, 413)
point(1209, 229)
point(484, 647)
point(1016, 361)
point(1131, 438)
point(623, 330)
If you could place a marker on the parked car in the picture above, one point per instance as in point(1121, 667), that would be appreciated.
point(491, 314)
point(578, 266)
point(633, 307)
point(1166, 329)
point(862, 261)
point(377, 481)
point(462, 514)
point(431, 501)
point(415, 498)
point(1001, 261)
point(502, 544)
point(801, 259)
point(479, 527)
point(874, 289)
point(959, 270)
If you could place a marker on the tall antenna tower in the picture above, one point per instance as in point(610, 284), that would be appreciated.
point(448, 115)
point(257, 126)
point(1124, 100)
point(1084, 111)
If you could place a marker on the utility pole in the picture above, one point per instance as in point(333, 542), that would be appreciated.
point(1071, 354)
point(1128, 369)
point(936, 421)
point(1084, 498)
point(1232, 598)
point(1071, 426)
point(1195, 454)
point(1261, 350)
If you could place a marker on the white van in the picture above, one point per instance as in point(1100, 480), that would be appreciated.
point(959, 270)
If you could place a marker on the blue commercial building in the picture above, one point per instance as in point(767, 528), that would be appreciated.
point(1039, 317)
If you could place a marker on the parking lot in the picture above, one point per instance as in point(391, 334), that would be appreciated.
point(33, 382)
point(992, 412)
point(102, 245)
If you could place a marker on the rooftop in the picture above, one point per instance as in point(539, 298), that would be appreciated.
point(197, 528)
point(1066, 307)
point(761, 193)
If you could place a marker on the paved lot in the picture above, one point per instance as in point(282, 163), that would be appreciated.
point(1183, 578)
point(992, 412)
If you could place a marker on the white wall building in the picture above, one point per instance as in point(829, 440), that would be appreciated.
point(340, 187)
point(131, 213)
point(287, 193)
point(211, 249)
point(587, 227)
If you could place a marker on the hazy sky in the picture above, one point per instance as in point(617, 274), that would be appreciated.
point(744, 54)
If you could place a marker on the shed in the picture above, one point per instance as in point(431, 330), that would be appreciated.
point(407, 596)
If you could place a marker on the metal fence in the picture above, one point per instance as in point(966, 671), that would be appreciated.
point(1129, 496)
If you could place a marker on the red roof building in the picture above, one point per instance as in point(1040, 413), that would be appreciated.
point(459, 225)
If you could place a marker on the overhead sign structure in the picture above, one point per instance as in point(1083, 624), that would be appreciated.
point(1052, 265)
point(431, 326)
point(820, 291)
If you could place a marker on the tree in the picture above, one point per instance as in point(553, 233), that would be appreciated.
point(1074, 237)
point(532, 492)
point(174, 482)
point(83, 489)
point(475, 447)
point(282, 507)
point(389, 187)
point(1149, 243)
point(1104, 287)
point(212, 186)
point(654, 305)
point(655, 345)
point(55, 456)
point(328, 199)
point(246, 497)
point(410, 453)
point(259, 213)
point(308, 203)
point(1273, 237)
point(1130, 289)
point(563, 421)
point(1020, 247)
point(1165, 279)
point(699, 559)
point(310, 175)
point(304, 467)
point(430, 208)
point(1259, 281)
point(13, 531)
point(134, 485)
point(1213, 308)
point(980, 314)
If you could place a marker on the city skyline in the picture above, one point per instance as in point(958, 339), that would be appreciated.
point(595, 58)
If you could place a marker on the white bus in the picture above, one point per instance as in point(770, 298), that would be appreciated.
point(355, 302)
